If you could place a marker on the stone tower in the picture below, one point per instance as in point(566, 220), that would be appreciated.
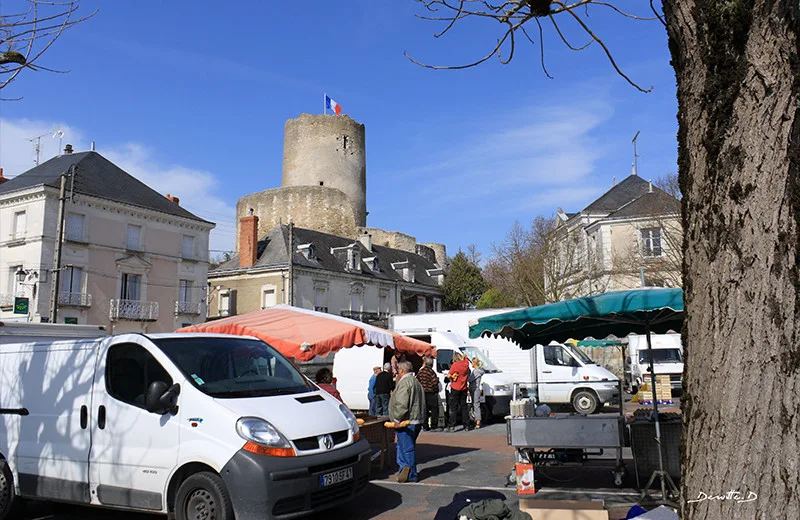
point(324, 181)
point(327, 151)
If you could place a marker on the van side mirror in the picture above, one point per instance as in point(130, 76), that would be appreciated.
point(161, 399)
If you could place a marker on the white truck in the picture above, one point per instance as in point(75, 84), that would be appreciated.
point(19, 332)
point(190, 425)
point(352, 368)
point(667, 360)
point(561, 374)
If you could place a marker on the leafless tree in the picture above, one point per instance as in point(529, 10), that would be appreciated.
point(737, 66)
point(25, 36)
point(515, 16)
point(669, 183)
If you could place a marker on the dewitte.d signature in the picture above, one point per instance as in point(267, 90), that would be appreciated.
point(740, 497)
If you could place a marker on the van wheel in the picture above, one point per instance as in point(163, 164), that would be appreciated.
point(10, 503)
point(584, 401)
point(203, 496)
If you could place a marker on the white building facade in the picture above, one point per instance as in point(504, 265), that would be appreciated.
point(131, 259)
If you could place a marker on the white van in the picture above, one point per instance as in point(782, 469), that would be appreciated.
point(19, 332)
point(352, 368)
point(173, 423)
point(565, 375)
point(667, 360)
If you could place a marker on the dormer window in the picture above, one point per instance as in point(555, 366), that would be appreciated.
point(405, 269)
point(350, 256)
point(308, 251)
point(437, 274)
point(373, 263)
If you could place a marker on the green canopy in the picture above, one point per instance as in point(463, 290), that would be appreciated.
point(598, 343)
point(619, 313)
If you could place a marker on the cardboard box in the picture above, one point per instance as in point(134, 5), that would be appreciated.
point(563, 509)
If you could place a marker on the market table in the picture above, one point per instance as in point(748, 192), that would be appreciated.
point(376, 433)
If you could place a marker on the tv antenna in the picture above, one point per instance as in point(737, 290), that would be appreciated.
point(37, 146)
point(57, 132)
point(635, 155)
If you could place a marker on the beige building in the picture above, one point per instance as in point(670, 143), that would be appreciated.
point(355, 278)
point(132, 259)
point(629, 237)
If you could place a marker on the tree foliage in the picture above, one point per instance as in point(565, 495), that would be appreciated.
point(494, 299)
point(463, 283)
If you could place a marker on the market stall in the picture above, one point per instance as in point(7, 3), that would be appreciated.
point(615, 313)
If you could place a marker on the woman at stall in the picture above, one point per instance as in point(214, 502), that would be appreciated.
point(475, 388)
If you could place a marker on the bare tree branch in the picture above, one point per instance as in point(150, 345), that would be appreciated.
point(514, 14)
point(20, 34)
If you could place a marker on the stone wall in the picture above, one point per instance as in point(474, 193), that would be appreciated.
point(393, 239)
point(327, 151)
point(440, 252)
point(311, 207)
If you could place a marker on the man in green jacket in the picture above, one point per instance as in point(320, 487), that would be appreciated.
point(407, 404)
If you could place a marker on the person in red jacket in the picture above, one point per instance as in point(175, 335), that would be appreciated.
point(324, 380)
point(458, 375)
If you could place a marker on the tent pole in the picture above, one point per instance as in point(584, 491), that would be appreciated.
point(663, 475)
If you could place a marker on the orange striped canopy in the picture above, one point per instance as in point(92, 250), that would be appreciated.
point(304, 334)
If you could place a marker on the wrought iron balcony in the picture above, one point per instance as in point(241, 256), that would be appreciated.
point(6, 301)
point(133, 310)
point(192, 308)
point(73, 299)
point(373, 318)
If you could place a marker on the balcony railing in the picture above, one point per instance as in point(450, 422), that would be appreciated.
point(6, 301)
point(73, 299)
point(133, 310)
point(367, 317)
point(192, 308)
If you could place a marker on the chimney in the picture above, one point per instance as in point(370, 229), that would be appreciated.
point(651, 187)
point(615, 180)
point(366, 240)
point(68, 149)
point(176, 200)
point(248, 241)
point(92, 148)
point(2, 179)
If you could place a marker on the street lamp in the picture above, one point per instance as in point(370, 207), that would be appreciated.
point(22, 275)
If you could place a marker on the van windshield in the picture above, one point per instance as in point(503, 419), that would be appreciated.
point(474, 352)
point(661, 355)
point(580, 354)
point(233, 367)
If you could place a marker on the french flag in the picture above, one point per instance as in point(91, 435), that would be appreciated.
point(332, 105)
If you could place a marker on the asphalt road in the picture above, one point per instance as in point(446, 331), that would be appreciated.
point(448, 463)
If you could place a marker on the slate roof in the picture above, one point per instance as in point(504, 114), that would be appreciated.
point(648, 205)
point(97, 176)
point(273, 250)
point(621, 194)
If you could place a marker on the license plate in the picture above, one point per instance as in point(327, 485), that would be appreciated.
point(329, 479)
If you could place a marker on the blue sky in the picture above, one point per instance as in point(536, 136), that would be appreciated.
point(191, 97)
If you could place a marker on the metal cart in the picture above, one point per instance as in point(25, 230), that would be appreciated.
point(563, 439)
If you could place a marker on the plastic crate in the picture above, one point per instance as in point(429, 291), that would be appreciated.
point(645, 449)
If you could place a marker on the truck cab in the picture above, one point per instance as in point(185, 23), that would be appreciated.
point(496, 385)
point(667, 360)
point(566, 375)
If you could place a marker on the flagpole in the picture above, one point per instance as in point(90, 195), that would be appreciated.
point(324, 103)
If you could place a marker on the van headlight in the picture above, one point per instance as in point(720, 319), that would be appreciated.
point(351, 421)
point(263, 438)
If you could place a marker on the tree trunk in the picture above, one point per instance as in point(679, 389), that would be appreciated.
point(738, 76)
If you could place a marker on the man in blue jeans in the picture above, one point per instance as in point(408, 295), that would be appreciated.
point(407, 404)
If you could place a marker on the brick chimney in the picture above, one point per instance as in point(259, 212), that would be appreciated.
point(2, 179)
point(68, 149)
point(248, 241)
point(176, 200)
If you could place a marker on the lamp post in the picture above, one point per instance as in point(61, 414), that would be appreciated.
point(22, 275)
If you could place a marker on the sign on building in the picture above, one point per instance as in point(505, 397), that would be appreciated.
point(21, 305)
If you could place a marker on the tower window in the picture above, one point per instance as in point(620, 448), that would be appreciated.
point(321, 183)
point(344, 142)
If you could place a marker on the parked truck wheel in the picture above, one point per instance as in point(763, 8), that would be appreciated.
point(584, 402)
point(203, 496)
point(10, 503)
